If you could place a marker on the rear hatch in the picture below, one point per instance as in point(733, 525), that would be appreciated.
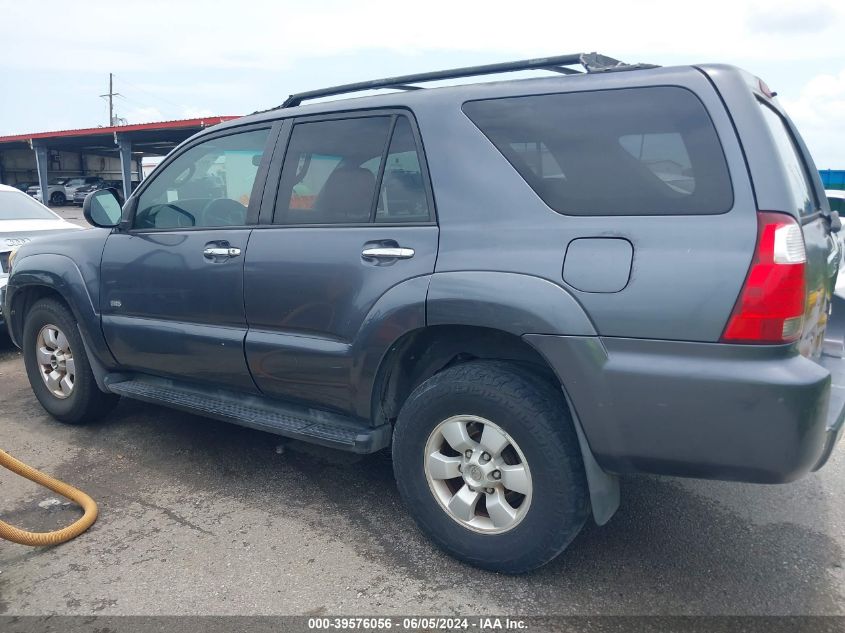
point(809, 207)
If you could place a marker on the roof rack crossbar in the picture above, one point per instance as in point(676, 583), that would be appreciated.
point(591, 62)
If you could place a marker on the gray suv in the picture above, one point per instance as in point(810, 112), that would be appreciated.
point(525, 289)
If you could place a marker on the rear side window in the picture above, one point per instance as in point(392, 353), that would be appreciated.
point(796, 172)
point(352, 171)
point(636, 151)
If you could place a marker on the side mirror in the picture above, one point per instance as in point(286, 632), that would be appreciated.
point(101, 208)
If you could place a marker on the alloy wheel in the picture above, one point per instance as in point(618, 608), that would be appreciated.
point(478, 474)
point(55, 361)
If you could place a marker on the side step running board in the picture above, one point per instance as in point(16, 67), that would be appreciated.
point(256, 412)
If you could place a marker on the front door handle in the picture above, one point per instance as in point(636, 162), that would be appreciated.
point(386, 252)
point(221, 251)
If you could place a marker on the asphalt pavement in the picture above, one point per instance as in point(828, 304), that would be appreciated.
point(200, 517)
point(71, 213)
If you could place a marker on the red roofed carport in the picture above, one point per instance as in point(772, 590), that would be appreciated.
point(74, 152)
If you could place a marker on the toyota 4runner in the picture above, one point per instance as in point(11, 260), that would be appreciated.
point(523, 288)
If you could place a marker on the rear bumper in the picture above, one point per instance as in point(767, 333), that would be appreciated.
point(732, 412)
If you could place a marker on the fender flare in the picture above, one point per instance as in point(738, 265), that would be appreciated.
point(60, 274)
point(512, 302)
point(397, 312)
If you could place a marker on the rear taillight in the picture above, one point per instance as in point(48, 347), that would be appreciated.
point(770, 308)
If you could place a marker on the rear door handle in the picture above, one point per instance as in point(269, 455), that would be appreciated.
point(386, 252)
point(221, 251)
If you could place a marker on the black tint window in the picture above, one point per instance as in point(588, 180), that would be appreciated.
point(402, 195)
point(637, 151)
point(208, 185)
point(330, 171)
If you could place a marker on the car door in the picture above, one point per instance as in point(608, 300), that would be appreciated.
point(353, 220)
point(172, 284)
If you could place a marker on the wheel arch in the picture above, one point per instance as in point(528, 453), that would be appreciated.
point(419, 354)
point(49, 275)
point(424, 352)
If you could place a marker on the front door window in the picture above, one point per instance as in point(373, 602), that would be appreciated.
point(209, 185)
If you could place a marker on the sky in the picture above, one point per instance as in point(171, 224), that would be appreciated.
point(186, 59)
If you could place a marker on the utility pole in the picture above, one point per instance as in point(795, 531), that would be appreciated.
point(111, 94)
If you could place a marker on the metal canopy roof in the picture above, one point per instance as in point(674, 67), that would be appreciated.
point(150, 138)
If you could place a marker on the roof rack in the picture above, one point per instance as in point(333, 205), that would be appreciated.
point(591, 62)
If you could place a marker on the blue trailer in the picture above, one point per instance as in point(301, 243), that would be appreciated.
point(833, 178)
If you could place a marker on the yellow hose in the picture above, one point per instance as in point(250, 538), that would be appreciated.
point(39, 539)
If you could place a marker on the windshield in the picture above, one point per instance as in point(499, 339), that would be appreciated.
point(19, 206)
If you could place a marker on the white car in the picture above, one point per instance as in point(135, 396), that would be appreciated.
point(23, 219)
point(72, 184)
point(836, 199)
point(56, 192)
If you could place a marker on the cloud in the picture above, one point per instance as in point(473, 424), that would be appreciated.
point(819, 113)
point(192, 58)
point(149, 114)
point(276, 35)
point(140, 114)
point(778, 19)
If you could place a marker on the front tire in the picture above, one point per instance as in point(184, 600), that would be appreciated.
point(487, 461)
point(58, 368)
point(58, 198)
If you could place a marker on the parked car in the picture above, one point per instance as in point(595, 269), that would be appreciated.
point(836, 200)
point(56, 191)
point(72, 184)
point(524, 288)
point(23, 186)
point(115, 186)
point(21, 220)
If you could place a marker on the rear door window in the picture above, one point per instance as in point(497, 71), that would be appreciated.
point(402, 197)
point(796, 173)
point(352, 171)
point(330, 171)
point(635, 151)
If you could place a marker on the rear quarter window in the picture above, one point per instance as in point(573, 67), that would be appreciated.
point(796, 172)
point(634, 151)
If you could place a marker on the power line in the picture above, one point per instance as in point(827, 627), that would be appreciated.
point(154, 96)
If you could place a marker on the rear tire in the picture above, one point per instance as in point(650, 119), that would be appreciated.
point(529, 417)
point(58, 368)
point(58, 198)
